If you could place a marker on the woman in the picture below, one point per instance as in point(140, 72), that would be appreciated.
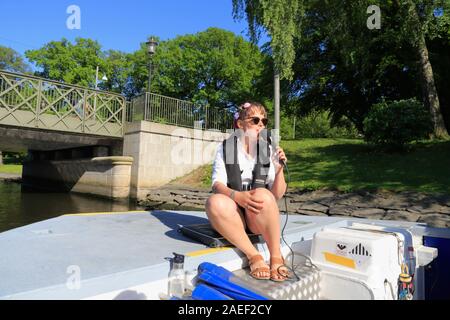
point(232, 211)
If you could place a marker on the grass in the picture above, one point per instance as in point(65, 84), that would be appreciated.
point(11, 168)
point(350, 165)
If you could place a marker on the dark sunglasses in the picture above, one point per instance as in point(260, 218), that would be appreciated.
point(255, 120)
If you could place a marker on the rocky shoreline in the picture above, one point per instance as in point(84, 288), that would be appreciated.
point(10, 177)
point(405, 206)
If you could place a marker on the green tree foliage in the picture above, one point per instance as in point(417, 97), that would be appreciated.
point(317, 124)
point(282, 19)
point(394, 124)
point(342, 66)
point(116, 67)
point(11, 60)
point(213, 67)
point(72, 63)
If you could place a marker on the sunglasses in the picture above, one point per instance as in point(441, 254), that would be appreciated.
point(256, 120)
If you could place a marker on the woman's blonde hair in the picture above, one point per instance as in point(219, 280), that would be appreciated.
point(250, 108)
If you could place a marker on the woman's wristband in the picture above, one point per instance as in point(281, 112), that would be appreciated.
point(232, 194)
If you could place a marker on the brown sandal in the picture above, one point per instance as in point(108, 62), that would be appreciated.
point(275, 274)
point(254, 273)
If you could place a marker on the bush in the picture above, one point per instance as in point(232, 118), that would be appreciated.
point(316, 125)
point(14, 157)
point(397, 123)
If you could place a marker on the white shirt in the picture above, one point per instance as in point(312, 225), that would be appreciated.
point(246, 164)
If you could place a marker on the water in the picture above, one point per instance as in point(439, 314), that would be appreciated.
point(19, 207)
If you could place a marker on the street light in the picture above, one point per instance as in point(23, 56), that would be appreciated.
point(104, 78)
point(151, 48)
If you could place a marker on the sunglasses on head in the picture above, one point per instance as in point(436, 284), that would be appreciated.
point(255, 120)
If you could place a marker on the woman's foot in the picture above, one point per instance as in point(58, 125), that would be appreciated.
point(258, 268)
point(278, 271)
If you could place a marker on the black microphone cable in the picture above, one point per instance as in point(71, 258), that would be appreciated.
point(292, 268)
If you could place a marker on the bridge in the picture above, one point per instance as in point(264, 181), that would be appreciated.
point(91, 141)
point(41, 114)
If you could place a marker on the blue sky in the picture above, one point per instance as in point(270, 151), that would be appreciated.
point(119, 25)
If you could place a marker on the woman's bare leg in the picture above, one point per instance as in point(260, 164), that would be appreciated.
point(267, 223)
point(225, 217)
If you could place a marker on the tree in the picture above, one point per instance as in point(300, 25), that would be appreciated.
point(72, 63)
point(213, 67)
point(116, 67)
point(11, 60)
point(420, 18)
point(340, 65)
point(348, 71)
point(439, 48)
point(282, 19)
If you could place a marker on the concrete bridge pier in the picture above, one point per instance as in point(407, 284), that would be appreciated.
point(88, 170)
point(150, 155)
point(164, 152)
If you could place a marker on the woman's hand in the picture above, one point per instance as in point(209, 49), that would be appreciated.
point(278, 156)
point(248, 201)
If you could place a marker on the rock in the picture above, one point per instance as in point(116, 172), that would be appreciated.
point(427, 208)
point(314, 206)
point(310, 212)
point(341, 210)
point(402, 206)
point(370, 213)
point(435, 220)
point(401, 215)
point(356, 200)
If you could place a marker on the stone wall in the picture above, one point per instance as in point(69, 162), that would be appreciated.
point(434, 210)
point(162, 153)
point(103, 176)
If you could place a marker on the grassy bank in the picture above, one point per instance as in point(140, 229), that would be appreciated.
point(11, 168)
point(349, 165)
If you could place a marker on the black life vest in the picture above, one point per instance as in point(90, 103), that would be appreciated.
point(260, 170)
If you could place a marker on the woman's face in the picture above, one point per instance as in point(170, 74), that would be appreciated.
point(254, 122)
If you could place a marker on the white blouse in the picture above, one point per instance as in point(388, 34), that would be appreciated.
point(246, 164)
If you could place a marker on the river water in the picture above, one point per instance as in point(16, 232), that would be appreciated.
point(19, 207)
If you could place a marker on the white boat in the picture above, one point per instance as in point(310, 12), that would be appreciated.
point(127, 255)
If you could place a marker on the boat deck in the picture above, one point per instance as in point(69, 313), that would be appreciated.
point(110, 252)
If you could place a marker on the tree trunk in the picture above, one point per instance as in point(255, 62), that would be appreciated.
point(1, 158)
point(429, 91)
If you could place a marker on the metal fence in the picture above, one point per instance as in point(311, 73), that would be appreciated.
point(35, 102)
point(167, 110)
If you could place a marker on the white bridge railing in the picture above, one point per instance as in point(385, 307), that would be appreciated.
point(28, 101)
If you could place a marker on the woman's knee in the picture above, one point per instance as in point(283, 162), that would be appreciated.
point(266, 196)
point(216, 204)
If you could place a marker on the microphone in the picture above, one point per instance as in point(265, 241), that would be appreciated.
point(267, 137)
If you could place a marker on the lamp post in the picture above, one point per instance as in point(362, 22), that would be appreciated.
point(104, 78)
point(151, 48)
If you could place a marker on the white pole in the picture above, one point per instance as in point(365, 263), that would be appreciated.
point(96, 79)
point(95, 94)
point(293, 134)
point(276, 103)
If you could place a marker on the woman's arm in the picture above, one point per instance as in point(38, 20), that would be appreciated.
point(279, 184)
